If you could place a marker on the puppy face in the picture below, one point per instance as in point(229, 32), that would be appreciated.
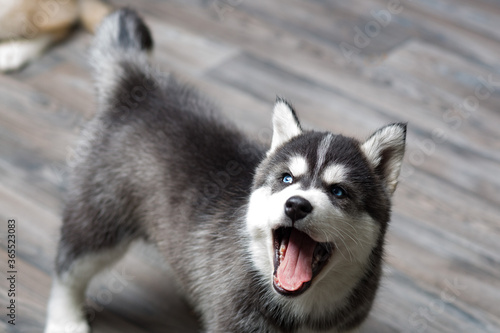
point(320, 205)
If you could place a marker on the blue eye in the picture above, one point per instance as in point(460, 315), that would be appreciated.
point(338, 191)
point(287, 179)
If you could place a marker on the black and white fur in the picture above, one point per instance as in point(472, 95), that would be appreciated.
point(158, 163)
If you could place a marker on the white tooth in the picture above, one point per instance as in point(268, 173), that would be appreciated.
point(282, 252)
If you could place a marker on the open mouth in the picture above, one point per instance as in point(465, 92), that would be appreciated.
point(298, 259)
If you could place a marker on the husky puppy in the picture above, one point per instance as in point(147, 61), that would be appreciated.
point(286, 238)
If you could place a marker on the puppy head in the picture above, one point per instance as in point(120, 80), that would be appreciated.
point(320, 203)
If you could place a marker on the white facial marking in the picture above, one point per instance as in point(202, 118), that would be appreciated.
point(260, 230)
point(323, 149)
point(334, 174)
point(298, 166)
point(354, 237)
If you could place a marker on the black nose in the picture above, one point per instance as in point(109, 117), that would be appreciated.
point(297, 208)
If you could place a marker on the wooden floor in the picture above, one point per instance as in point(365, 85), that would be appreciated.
point(347, 66)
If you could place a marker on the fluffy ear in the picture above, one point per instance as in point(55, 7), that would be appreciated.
point(285, 124)
point(385, 150)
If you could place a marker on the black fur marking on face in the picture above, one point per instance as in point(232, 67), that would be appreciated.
point(365, 190)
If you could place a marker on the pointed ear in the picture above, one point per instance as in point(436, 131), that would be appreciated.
point(285, 124)
point(385, 150)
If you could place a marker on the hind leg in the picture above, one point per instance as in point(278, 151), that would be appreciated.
point(104, 208)
point(94, 235)
point(65, 312)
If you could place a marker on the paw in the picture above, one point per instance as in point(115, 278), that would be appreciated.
point(11, 56)
point(65, 310)
point(17, 53)
point(65, 326)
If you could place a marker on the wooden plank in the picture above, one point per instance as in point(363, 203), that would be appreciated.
point(413, 306)
point(428, 59)
point(181, 49)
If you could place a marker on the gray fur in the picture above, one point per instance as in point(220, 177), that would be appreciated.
point(158, 163)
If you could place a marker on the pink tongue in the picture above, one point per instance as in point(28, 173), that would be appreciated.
point(296, 267)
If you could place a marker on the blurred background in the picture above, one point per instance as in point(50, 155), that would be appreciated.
point(347, 67)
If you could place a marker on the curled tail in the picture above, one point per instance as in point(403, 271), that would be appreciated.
point(120, 47)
